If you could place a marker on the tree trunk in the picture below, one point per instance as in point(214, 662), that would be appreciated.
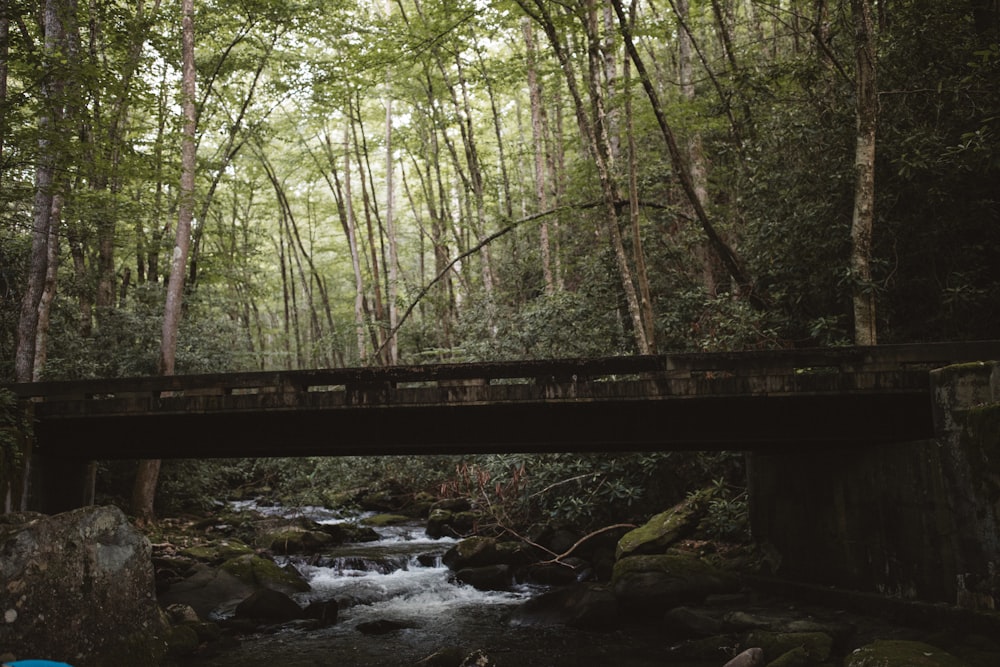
point(864, 168)
point(43, 227)
point(718, 245)
point(144, 490)
point(538, 140)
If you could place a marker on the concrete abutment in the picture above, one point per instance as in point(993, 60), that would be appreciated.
point(914, 520)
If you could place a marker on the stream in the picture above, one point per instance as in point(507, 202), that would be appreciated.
point(398, 584)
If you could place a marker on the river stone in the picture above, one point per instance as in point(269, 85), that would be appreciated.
point(206, 590)
point(817, 645)
point(692, 622)
point(487, 578)
point(796, 657)
point(752, 657)
point(664, 529)
point(901, 653)
point(265, 573)
point(586, 606)
point(78, 587)
point(269, 605)
point(649, 583)
point(471, 552)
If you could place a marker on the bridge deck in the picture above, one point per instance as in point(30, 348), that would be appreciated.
point(749, 400)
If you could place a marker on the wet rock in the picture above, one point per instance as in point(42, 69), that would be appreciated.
point(716, 648)
point(471, 552)
point(817, 645)
point(585, 606)
point(666, 528)
point(563, 573)
point(487, 578)
point(478, 659)
point(447, 523)
point(796, 657)
point(181, 613)
point(182, 640)
point(268, 605)
point(324, 611)
point(217, 551)
point(379, 520)
point(692, 622)
point(752, 657)
point(78, 587)
point(453, 505)
point(206, 590)
point(901, 653)
point(645, 583)
point(296, 541)
point(262, 572)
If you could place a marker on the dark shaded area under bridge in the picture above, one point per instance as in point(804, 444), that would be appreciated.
point(758, 400)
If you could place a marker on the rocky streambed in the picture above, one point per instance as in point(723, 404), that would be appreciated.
point(400, 592)
point(265, 586)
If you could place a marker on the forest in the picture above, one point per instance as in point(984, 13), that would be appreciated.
point(235, 185)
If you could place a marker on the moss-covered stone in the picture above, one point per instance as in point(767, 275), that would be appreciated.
point(217, 552)
point(379, 520)
point(182, 640)
point(472, 552)
point(664, 529)
point(258, 571)
point(797, 657)
point(815, 645)
point(662, 581)
point(901, 653)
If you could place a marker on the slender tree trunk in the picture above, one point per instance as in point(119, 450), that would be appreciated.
point(864, 168)
point(642, 275)
point(719, 246)
point(48, 293)
point(695, 154)
point(43, 224)
point(538, 142)
point(147, 475)
point(390, 205)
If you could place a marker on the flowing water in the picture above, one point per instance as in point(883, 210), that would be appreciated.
point(400, 583)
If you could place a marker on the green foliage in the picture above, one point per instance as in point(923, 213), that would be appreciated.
point(126, 342)
point(586, 490)
point(15, 430)
point(727, 516)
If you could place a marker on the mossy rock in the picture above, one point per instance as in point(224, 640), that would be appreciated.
point(294, 541)
point(379, 520)
point(664, 529)
point(657, 582)
point(182, 640)
point(472, 552)
point(797, 657)
point(258, 571)
point(901, 653)
point(217, 552)
point(817, 645)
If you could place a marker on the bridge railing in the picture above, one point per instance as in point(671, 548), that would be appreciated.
point(677, 366)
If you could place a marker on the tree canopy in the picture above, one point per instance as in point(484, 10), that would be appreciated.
point(428, 180)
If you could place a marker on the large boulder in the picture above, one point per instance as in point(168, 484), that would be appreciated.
point(584, 606)
point(78, 587)
point(663, 530)
point(657, 583)
point(901, 653)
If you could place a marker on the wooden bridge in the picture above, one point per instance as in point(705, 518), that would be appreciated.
point(852, 396)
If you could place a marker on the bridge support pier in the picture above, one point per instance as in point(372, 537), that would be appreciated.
point(917, 520)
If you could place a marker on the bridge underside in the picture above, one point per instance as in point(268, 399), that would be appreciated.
point(677, 423)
